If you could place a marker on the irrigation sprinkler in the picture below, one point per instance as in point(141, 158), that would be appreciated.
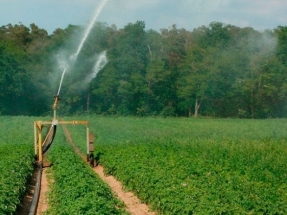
point(42, 142)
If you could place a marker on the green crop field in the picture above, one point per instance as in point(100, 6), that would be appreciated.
point(176, 165)
point(200, 166)
point(16, 160)
point(76, 188)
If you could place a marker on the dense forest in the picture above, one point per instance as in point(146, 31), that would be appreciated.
point(218, 70)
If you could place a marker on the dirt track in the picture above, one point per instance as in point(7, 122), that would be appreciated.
point(43, 201)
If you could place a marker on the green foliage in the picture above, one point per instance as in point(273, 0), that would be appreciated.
point(16, 163)
point(215, 70)
point(76, 188)
point(204, 177)
point(198, 166)
point(16, 168)
point(12, 80)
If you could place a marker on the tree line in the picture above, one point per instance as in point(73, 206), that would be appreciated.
point(218, 70)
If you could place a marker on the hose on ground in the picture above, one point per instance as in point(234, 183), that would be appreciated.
point(34, 204)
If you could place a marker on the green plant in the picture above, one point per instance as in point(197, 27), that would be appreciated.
point(76, 188)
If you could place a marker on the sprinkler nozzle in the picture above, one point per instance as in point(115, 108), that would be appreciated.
point(55, 105)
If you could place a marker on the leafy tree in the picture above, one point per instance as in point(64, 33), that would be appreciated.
point(281, 32)
point(215, 70)
point(129, 58)
point(13, 81)
point(192, 85)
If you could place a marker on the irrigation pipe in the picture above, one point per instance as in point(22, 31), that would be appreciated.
point(34, 204)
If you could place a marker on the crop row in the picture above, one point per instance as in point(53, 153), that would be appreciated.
point(76, 189)
point(203, 178)
point(204, 166)
point(16, 166)
point(16, 160)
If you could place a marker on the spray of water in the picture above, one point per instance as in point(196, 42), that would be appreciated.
point(97, 13)
point(73, 57)
point(61, 82)
point(64, 64)
point(100, 63)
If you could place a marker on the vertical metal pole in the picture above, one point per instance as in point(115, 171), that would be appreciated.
point(40, 142)
point(88, 132)
point(35, 138)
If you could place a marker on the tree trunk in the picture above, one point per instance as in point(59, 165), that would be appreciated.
point(149, 51)
point(197, 106)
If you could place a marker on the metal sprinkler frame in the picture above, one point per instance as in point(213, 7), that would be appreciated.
point(41, 146)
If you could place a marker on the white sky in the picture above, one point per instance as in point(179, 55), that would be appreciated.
point(157, 14)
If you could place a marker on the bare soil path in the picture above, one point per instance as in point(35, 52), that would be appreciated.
point(43, 197)
point(132, 202)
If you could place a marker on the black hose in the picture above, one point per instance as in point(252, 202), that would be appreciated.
point(34, 204)
point(46, 146)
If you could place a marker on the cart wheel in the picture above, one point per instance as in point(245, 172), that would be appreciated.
point(92, 160)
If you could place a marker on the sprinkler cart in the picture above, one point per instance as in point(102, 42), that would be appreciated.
point(43, 142)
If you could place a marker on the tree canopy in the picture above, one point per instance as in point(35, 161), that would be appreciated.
point(217, 70)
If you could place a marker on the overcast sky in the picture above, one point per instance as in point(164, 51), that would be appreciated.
point(157, 14)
